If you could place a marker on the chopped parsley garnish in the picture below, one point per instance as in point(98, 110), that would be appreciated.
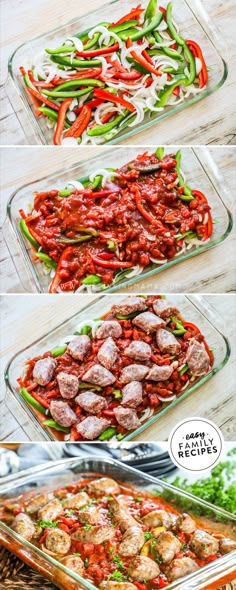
point(86, 562)
point(44, 524)
point(183, 545)
point(117, 575)
point(138, 499)
point(109, 497)
point(87, 527)
point(112, 549)
point(158, 559)
point(147, 535)
point(77, 554)
point(119, 561)
point(69, 512)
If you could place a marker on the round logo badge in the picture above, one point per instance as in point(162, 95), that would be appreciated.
point(195, 444)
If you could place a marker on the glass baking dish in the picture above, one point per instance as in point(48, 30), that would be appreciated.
point(63, 472)
point(201, 173)
point(194, 309)
point(193, 22)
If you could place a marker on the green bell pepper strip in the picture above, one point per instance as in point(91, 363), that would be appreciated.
point(33, 402)
point(165, 93)
point(47, 260)
point(58, 351)
point(183, 370)
point(129, 316)
point(120, 436)
point(180, 329)
point(167, 50)
point(108, 433)
point(150, 11)
point(27, 234)
point(65, 193)
point(75, 240)
point(77, 63)
point(92, 280)
point(187, 195)
point(103, 129)
point(135, 34)
point(73, 94)
point(187, 234)
point(111, 245)
point(113, 132)
point(92, 42)
point(123, 26)
point(117, 393)
point(61, 49)
point(192, 65)
point(28, 82)
point(179, 40)
point(53, 115)
point(79, 82)
point(159, 153)
point(90, 386)
point(85, 330)
point(56, 426)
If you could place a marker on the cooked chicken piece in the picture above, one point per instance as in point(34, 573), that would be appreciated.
point(79, 347)
point(227, 545)
point(91, 402)
point(197, 358)
point(167, 343)
point(164, 309)
point(39, 501)
point(157, 518)
point(185, 523)
point(138, 350)
point(98, 375)
point(76, 501)
point(91, 515)
point(103, 485)
point(148, 322)
point(91, 427)
point(133, 373)
point(43, 370)
point(132, 541)
point(96, 534)
point(143, 569)
point(23, 525)
point(129, 305)
point(167, 546)
point(58, 541)
point(109, 328)
point(132, 394)
point(181, 567)
point(108, 353)
point(109, 585)
point(62, 413)
point(204, 544)
point(68, 385)
point(51, 510)
point(127, 418)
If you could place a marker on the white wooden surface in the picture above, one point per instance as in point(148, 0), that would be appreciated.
point(210, 121)
point(26, 318)
point(207, 272)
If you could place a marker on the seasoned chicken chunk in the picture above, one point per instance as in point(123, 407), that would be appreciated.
point(139, 350)
point(98, 375)
point(167, 546)
point(197, 358)
point(51, 510)
point(181, 567)
point(148, 322)
point(185, 523)
point(104, 485)
point(79, 347)
point(108, 353)
point(167, 343)
point(132, 395)
point(109, 328)
point(132, 541)
point(58, 541)
point(143, 568)
point(76, 501)
point(133, 373)
point(68, 385)
point(204, 544)
point(23, 525)
point(127, 418)
point(129, 305)
point(43, 370)
point(227, 545)
point(96, 534)
point(92, 426)
point(91, 402)
point(157, 518)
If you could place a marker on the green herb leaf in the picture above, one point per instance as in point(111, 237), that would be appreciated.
point(44, 524)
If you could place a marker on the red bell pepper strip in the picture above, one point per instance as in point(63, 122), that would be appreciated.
point(99, 194)
point(65, 256)
point(141, 208)
point(197, 52)
point(40, 399)
point(90, 73)
point(162, 9)
point(22, 214)
point(106, 255)
point(92, 104)
point(94, 52)
point(111, 263)
point(209, 226)
point(147, 57)
point(133, 75)
point(81, 123)
point(43, 99)
point(105, 118)
point(135, 13)
point(61, 121)
point(141, 60)
point(42, 84)
point(191, 327)
point(99, 93)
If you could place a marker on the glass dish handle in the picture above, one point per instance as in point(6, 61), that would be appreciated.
point(209, 312)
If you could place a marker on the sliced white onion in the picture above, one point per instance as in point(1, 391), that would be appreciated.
point(104, 173)
point(137, 270)
point(147, 413)
point(50, 124)
point(205, 220)
point(102, 109)
point(76, 42)
point(96, 326)
point(67, 339)
point(150, 105)
point(166, 399)
point(158, 261)
point(81, 289)
point(198, 64)
point(183, 175)
point(52, 273)
point(162, 26)
point(46, 270)
point(139, 105)
point(81, 325)
point(71, 117)
point(191, 89)
point(185, 386)
point(98, 29)
point(76, 184)
point(69, 141)
point(74, 104)
point(105, 38)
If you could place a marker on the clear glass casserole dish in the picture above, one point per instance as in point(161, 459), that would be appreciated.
point(194, 309)
point(67, 471)
point(201, 173)
point(190, 16)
